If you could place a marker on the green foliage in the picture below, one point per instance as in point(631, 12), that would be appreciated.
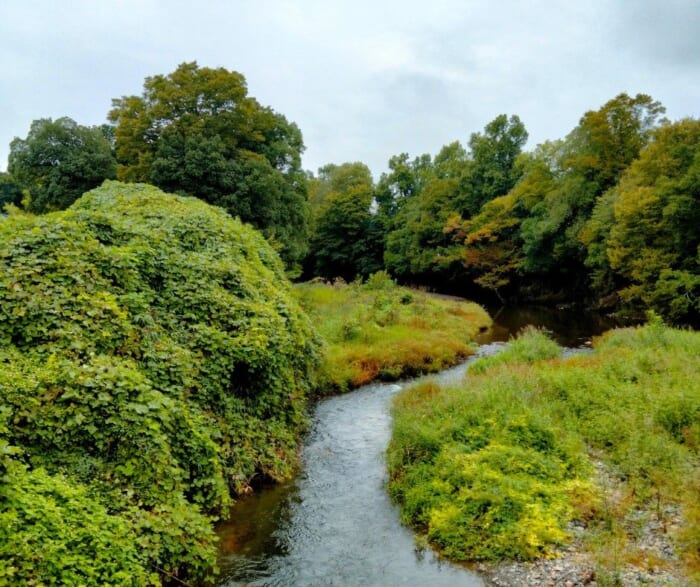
point(655, 237)
point(382, 331)
point(418, 243)
point(197, 132)
point(10, 191)
point(590, 161)
point(141, 327)
point(424, 198)
point(497, 467)
point(52, 531)
point(405, 179)
point(343, 242)
point(59, 161)
point(553, 232)
point(492, 171)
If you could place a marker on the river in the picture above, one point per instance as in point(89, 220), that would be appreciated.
point(334, 524)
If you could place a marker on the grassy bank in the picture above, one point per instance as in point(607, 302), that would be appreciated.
point(379, 331)
point(498, 467)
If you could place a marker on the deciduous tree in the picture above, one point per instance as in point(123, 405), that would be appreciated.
point(59, 161)
point(196, 131)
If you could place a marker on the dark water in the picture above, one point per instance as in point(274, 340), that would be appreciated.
point(570, 328)
point(334, 524)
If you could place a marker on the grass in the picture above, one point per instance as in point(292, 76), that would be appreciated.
point(497, 467)
point(379, 331)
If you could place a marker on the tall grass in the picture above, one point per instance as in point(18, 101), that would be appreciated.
point(379, 331)
point(498, 466)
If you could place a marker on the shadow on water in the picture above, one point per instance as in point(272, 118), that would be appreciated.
point(335, 524)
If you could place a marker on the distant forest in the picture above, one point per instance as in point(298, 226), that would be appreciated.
point(608, 216)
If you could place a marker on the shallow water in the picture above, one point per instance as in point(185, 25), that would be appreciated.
point(335, 524)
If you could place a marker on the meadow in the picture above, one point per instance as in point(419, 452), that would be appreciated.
point(380, 331)
point(532, 445)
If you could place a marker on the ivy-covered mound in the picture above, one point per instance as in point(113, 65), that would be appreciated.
point(152, 361)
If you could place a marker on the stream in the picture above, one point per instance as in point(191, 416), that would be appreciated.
point(334, 524)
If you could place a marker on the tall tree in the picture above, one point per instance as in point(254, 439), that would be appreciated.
point(583, 167)
point(343, 240)
point(654, 243)
point(59, 161)
point(492, 171)
point(492, 247)
point(196, 131)
point(405, 179)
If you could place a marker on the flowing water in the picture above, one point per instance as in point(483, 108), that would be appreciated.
point(335, 524)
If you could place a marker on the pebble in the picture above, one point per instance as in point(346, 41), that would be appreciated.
point(574, 567)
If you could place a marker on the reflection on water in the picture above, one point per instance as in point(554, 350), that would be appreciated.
point(570, 328)
point(335, 524)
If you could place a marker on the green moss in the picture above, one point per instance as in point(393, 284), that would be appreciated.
point(138, 327)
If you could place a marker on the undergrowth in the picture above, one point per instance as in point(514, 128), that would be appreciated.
point(497, 467)
point(380, 331)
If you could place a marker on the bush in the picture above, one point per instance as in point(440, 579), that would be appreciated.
point(141, 327)
point(530, 346)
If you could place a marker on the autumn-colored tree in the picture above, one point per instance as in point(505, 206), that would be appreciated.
point(491, 246)
point(654, 243)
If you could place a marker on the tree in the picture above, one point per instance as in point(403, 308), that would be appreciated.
point(10, 191)
point(582, 168)
point(492, 171)
point(343, 241)
point(654, 243)
point(418, 247)
point(197, 132)
point(59, 161)
point(405, 180)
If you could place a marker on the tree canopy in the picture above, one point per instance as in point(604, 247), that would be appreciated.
point(548, 235)
point(59, 161)
point(344, 240)
point(654, 242)
point(196, 131)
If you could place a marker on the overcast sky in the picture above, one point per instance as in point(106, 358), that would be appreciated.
point(363, 79)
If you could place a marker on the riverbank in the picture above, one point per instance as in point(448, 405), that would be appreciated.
point(574, 565)
point(585, 466)
point(379, 331)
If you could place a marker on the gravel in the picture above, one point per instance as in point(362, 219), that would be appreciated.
point(647, 533)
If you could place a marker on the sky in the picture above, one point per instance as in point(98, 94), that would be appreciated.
point(363, 79)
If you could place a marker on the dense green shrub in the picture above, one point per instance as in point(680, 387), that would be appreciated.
point(152, 361)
